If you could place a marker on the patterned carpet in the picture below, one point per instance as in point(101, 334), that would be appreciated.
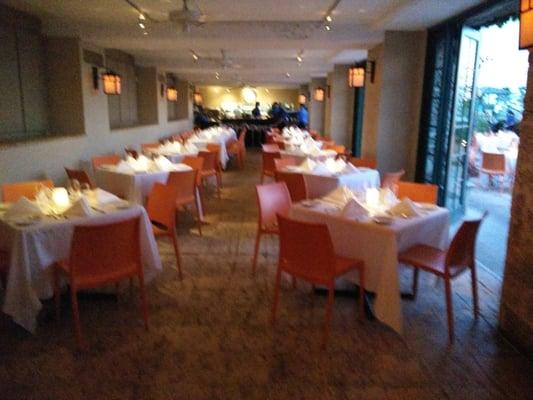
point(210, 336)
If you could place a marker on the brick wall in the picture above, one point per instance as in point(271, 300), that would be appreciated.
point(516, 310)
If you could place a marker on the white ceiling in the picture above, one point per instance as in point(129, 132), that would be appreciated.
point(260, 37)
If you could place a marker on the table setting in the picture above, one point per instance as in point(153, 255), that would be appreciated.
point(324, 176)
point(132, 179)
point(218, 135)
point(373, 225)
point(174, 151)
point(37, 233)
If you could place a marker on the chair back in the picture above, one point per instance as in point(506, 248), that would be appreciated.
point(295, 183)
point(280, 163)
point(210, 160)
point(152, 145)
point(421, 192)
point(197, 164)
point(104, 253)
point(270, 148)
point(81, 176)
point(306, 250)
point(131, 152)
point(462, 250)
point(338, 148)
point(493, 162)
point(161, 206)
point(364, 162)
point(242, 138)
point(280, 143)
point(272, 199)
point(112, 159)
point(268, 160)
point(391, 179)
point(11, 192)
point(215, 148)
point(184, 182)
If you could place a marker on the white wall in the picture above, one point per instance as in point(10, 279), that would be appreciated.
point(339, 108)
point(46, 158)
point(317, 108)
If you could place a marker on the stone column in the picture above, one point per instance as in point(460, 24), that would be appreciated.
point(516, 309)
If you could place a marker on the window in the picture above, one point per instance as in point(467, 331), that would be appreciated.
point(23, 91)
point(172, 106)
point(123, 108)
point(178, 109)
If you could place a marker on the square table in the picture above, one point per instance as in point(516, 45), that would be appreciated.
point(378, 246)
point(222, 137)
point(34, 248)
point(300, 156)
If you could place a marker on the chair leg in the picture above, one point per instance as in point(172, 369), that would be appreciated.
point(198, 218)
point(76, 317)
point(415, 282)
point(473, 278)
point(449, 308)
point(361, 293)
point(276, 296)
point(57, 294)
point(177, 252)
point(329, 306)
point(256, 251)
point(144, 303)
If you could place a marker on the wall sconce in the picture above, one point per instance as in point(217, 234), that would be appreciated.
point(172, 94)
point(319, 94)
point(302, 99)
point(356, 77)
point(111, 83)
point(371, 70)
point(197, 97)
point(526, 24)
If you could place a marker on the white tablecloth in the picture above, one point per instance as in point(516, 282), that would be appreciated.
point(320, 185)
point(378, 246)
point(301, 157)
point(33, 249)
point(221, 138)
point(174, 158)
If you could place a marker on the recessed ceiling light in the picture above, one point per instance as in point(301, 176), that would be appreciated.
point(142, 16)
point(142, 25)
point(145, 33)
point(299, 59)
point(287, 75)
point(328, 28)
point(328, 18)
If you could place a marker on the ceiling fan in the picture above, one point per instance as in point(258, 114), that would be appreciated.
point(187, 16)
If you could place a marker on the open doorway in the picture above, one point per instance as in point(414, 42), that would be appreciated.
point(501, 79)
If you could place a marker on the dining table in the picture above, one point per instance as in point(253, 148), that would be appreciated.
point(378, 245)
point(215, 135)
point(35, 244)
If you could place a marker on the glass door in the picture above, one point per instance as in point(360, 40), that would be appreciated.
point(463, 121)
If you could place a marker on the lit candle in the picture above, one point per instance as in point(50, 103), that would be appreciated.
point(60, 199)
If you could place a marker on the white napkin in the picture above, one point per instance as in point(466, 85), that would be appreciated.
point(102, 197)
point(23, 208)
point(387, 197)
point(190, 148)
point(405, 208)
point(124, 167)
point(164, 164)
point(354, 210)
point(307, 165)
point(340, 196)
point(80, 208)
point(321, 169)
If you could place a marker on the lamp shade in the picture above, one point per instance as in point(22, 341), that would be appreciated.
point(111, 83)
point(302, 99)
point(319, 94)
point(356, 77)
point(172, 94)
point(197, 97)
point(526, 24)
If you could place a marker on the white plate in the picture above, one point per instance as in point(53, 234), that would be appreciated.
point(382, 220)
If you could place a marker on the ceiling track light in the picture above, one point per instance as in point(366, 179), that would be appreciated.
point(328, 18)
point(142, 17)
point(194, 55)
point(288, 75)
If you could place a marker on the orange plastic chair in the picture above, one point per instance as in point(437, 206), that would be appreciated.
point(449, 264)
point(493, 164)
point(420, 192)
point(111, 159)
point(270, 148)
point(268, 167)
point(132, 153)
point(152, 145)
point(81, 176)
point(185, 184)
point(364, 162)
point(196, 163)
point(100, 255)
point(306, 252)
point(390, 180)
point(211, 168)
point(280, 143)
point(295, 183)
point(281, 163)
point(161, 208)
point(237, 148)
point(338, 148)
point(272, 199)
point(11, 192)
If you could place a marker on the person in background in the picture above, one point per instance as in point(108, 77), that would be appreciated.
point(200, 118)
point(256, 112)
point(303, 117)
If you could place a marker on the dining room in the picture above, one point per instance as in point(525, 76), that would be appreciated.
point(209, 200)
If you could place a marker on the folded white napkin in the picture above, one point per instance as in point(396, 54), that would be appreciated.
point(340, 196)
point(164, 164)
point(321, 169)
point(80, 208)
point(190, 148)
point(23, 208)
point(124, 167)
point(181, 167)
point(405, 208)
point(102, 197)
point(307, 165)
point(387, 197)
point(354, 210)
